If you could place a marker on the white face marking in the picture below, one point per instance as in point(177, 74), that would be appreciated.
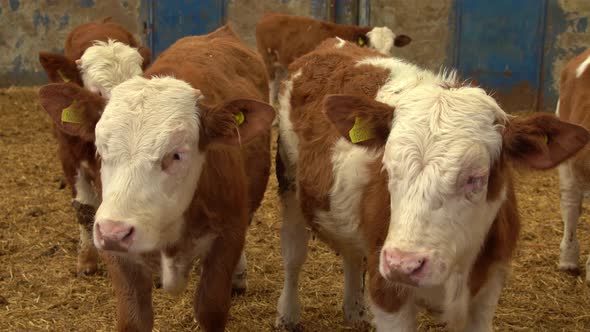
point(438, 157)
point(108, 64)
point(582, 67)
point(148, 140)
point(341, 42)
point(557, 109)
point(381, 39)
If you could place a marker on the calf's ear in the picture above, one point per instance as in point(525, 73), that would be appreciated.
point(360, 119)
point(362, 40)
point(72, 108)
point(542, 141)
point(401, 40)
point(59, 68)
point(146, 54)
point(236, 122)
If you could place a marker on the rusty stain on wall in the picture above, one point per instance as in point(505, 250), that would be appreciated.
point(27, 27)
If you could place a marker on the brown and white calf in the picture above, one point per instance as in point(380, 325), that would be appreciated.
point(98, 56)
point(281, 39)
point(185, 159)
point(411, 170)
point(574, 175)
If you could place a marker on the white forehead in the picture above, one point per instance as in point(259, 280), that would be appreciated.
point(108, 64)
point(144, 116)
point(437, 124)
point(381, 39)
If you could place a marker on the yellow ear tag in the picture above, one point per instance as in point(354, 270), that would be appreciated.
point(239, 117)
point(360, 132)
point(72, 113)
point(361, 41)
point(63, 77)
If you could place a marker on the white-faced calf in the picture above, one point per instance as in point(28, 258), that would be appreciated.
point(411, 170)
point(281, 39)
point(574, 175)
point(98, 56)
point(185, 154)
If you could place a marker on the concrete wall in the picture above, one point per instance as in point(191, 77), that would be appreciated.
point(428, 22)
point(27, 27)
point(567, 35)
point(431, 24)
point(243, 14)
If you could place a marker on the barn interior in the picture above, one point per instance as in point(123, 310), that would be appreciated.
point(514, 50)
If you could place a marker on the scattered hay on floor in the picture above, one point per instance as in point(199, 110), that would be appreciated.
point(38, 239)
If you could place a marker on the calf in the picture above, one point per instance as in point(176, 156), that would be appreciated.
point(185, 154)
point(281, 39)
point(98, 56)
point(574, 175)
point(92, 59)
point(411, 170)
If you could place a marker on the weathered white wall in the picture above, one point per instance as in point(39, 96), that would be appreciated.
point(426, 21)
point(567, 35)
point(244, 14)
point(27, 27)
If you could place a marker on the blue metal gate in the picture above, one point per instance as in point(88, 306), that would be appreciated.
point(499, 44)
point(167, 21)
point(506, 46)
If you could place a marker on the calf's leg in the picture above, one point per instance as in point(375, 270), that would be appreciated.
point(239, 276)
point(133, 288)
point(85, 204)
point(484, 303)
point(213, 297)
point(392, 307)
point(571, 206)
point(403, 319)
point(353, 306)
point(294, 239)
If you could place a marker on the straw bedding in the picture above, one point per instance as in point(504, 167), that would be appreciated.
point(39, 290)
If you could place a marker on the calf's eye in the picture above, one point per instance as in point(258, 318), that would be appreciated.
point(474, 184)
point(171, 158)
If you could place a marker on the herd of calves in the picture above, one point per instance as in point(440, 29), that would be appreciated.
point(405, 172)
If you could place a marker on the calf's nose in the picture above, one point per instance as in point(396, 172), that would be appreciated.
point(114, 235)
point(405, 264)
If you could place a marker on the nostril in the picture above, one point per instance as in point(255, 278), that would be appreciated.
point(419, 266)
point(129, 235)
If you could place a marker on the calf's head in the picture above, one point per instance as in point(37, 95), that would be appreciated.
point(383, 39)
point(152, 139)
point(102, 66)
point(108, 64)
point(444, 152)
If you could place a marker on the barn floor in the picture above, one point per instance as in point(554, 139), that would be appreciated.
point(39, 290)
